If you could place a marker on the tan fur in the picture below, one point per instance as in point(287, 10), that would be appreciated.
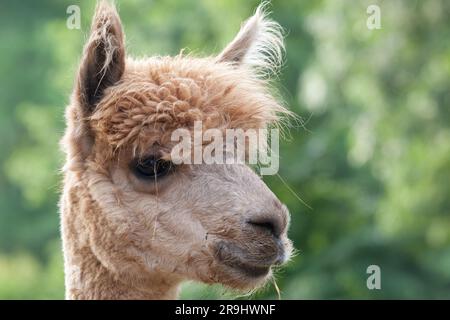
point(125, 238)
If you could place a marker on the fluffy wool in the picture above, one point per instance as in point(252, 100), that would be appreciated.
point(125, 237)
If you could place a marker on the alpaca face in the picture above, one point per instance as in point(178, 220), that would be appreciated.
point(213, 223)
point(208, 222)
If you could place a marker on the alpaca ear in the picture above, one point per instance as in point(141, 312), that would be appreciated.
point(259, 44)
point(103, 61)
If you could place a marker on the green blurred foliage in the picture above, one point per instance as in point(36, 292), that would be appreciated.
point(372, 158)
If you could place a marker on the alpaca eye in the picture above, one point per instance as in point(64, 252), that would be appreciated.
point(151, 167)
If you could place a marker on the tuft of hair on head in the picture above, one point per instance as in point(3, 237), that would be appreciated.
point(259, 44)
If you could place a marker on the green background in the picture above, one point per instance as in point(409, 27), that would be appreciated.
point(372, 160)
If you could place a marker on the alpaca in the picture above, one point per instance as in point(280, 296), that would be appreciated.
point(133, 225)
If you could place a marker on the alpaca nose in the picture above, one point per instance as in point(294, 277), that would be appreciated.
point(272, 224)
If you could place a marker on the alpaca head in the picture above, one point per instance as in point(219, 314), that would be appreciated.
point(215, 223)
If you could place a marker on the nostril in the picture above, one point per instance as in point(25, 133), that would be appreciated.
point(265, 225)
point(268, 224)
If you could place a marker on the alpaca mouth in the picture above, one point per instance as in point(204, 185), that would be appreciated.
point(244, 262)
point(249, 270)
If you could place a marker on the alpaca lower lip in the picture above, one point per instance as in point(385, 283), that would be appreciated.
point(251, 271)
point(232, 256)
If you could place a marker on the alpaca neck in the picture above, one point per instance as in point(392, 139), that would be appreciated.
point(90, 276)
point(87, 278)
